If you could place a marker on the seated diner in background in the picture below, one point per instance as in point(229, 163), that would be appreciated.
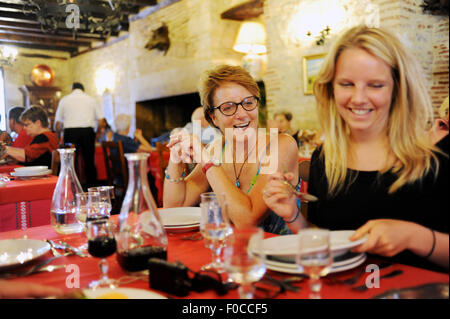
point(15, 125)
point(283, 122)
point(44, 142)
point(138, 144)
point(233, 165)
point(377, 171)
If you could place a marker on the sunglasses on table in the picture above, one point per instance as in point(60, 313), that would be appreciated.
point(230, 108)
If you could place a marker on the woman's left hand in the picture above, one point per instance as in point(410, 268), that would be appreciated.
point(387, 237)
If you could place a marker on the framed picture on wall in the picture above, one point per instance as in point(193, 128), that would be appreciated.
point(311, 67)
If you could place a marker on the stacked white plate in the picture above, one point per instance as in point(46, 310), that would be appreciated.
point(16, 252)
point(180, 219)
point(281, 250)
point(31, 171)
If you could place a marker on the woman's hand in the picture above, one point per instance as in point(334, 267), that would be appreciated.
point(387, 237)
point(278, 197)
point(185, 147)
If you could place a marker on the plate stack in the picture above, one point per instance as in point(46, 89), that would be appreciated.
point(31, 171)
point(281, 251)
point(180, 219)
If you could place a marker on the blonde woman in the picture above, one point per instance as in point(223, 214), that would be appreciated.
point(235, 164)
point(377, 171)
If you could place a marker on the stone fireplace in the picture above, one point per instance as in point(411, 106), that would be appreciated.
point(158, 116)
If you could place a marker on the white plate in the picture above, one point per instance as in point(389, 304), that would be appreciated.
point(131, 293)
point(32, 173)
point(180, 216)
point(30, 169)
point(287, 245)
point(291, 270)
point(340, 261)
point(15, 252)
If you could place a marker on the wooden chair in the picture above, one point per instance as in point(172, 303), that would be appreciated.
point(303, 172)
point(56, 163)
point(116, 170)
point(115, 163)
point(161, 148)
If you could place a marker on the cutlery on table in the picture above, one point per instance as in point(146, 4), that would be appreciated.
point(68, 248)
point(393, 273)
point(42, 266)
point(353, 280)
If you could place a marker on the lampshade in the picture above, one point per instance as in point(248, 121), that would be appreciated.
point(251, 38)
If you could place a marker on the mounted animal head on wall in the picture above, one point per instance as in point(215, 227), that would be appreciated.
point(159, 39)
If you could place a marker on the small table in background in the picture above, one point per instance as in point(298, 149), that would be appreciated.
point(26, 203)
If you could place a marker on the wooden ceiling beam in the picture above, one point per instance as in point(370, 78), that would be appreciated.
point(38, 46)
point(12, 38)
point(40, 34)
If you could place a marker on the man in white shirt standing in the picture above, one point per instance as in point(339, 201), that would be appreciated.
point(77, 112)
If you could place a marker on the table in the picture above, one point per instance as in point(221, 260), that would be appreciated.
point(193, 254)
point(26, 203)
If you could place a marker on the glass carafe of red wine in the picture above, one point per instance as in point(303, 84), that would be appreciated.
point(141, 233)
point(63, 210)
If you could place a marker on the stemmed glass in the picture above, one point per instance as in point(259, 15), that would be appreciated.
point(104, 197)
point(101, 244)
point(95, 208)
point(82, 200)
point(314, 257)
point(245, 259)
point(215, 227)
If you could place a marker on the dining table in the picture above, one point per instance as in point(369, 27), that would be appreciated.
point(193, 254)
point(25, 202)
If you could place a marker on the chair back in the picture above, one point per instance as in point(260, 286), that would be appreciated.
point(161, 148)
point(115, 163)
point(303, 170)
point(303, 173)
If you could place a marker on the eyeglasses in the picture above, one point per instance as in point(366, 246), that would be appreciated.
point(230, 108)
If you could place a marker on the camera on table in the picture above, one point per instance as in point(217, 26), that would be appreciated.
point(174, 278)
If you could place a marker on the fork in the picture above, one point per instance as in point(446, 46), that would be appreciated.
point(352, 280)
point(393, 273)
point(303, 196)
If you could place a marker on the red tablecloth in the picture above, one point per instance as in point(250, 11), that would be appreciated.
point(194, 254)
point(26, 203)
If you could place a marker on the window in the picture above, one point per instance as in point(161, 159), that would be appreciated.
point(2, 101)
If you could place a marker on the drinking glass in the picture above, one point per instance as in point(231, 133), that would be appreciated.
point(104, 197)
point(244, 259)
point(82, 204)
point(314, 257)
point(95, 208)
point(215, 227)
point(101, 244)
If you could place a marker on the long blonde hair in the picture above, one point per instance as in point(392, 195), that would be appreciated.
point(409, 116)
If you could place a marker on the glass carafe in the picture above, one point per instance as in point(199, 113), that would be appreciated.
point(63, 211)
point(141, 233)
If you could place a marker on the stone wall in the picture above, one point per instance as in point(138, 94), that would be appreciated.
point(200, 39)
point(426, 35)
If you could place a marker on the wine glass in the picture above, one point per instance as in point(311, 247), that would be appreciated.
point(101, 244)
point(104, 198)
point(215, 227)
point(314, 257)
point(244, 259)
